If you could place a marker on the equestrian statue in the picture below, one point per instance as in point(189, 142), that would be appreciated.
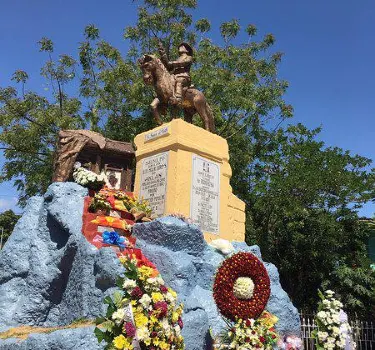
point(172, 83)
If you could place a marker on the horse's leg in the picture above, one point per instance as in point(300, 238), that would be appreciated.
point(188, 115)
point(204, 112)
point(155, 110)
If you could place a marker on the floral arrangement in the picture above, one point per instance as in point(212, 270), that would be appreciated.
point(242, 287)
point(99, 203)
point(114, 239)
point(290, 343)
point(87, 178)
point(108, 199)
point(250, 333)
point(241, 291)
point(333, 327)
point(144, 314)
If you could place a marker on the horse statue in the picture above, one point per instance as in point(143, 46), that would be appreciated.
point(156, 74)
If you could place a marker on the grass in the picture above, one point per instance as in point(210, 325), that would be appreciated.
point(23, 332)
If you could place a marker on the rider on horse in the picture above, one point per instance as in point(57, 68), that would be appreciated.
point(180, 69)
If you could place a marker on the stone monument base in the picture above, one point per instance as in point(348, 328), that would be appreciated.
point(184, 169)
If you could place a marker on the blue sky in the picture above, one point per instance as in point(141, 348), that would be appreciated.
point(328, 48)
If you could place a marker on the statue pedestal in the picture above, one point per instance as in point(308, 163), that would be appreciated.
point(184, 169)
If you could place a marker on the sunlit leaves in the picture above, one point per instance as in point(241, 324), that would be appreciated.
point(230, 30)
point(91, 32)
point(20, 76)
point(46, 45)
point(251, 30)
point(203, 25)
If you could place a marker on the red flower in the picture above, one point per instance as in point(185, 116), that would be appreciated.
point(137, 293)
point(162, 308)
point(163, 289)
point(130, 329)
point(241, 265)
point(180, 323)
point(262, 339)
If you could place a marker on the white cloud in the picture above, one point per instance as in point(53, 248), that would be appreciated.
point(8, 203)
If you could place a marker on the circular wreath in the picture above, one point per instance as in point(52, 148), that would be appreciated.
point(241, 265)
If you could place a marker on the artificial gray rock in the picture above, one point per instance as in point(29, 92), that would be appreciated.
point(192, 275)
point(50, 275)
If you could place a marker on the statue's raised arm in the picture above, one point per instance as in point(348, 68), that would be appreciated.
point(172, 83)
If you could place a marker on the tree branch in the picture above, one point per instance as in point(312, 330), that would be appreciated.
point(24, 151)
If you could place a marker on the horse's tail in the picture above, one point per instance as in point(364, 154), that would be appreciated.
point(211, 117)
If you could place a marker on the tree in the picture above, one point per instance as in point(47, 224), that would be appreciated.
point(30, 124)
point(8, 220)
point(300, 211)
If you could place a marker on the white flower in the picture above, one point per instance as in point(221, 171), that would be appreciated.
point(329, 292)
point(143, 334)
point(223, 245)
point(170, 298)
point(322, 336)
point(337, 304)
point(166, 327)
point(145, 301)
point(118, 316)
point(129, 284)
point(321, 314)
point(243, 288)
point(335, 331)
point(177, 330)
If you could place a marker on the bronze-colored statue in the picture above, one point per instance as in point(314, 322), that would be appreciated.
point(180, 69)
point(171, 81)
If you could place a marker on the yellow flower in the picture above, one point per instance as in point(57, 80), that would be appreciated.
point(156, 341)
point(123, 259)
point(175, 316)
point(120, 342)
point(174, 294)
point(140, 320)
point(153, 319)
point(157, 297)
point(164, 346)
point(145, 272)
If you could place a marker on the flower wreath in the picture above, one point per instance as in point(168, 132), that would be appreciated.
point(242, 287)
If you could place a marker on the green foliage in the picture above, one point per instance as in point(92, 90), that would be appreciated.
point(30, 123)
point(300, 213)
point(8, 220)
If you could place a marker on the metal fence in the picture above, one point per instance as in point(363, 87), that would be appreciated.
point(363, 332)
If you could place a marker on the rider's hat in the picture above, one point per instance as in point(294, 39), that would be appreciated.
point(188, 48)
